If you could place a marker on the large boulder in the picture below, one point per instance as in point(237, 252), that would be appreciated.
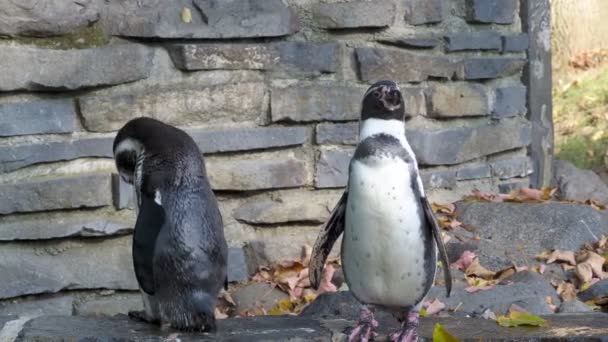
point(578, 184)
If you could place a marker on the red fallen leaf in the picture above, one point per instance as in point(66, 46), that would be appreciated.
point(326, 284)
point(434, 306)
point(473, 289)
point(464, 261)
point(559, 255)
point(531, 194)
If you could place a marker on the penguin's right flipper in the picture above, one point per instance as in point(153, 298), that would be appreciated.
point(325, 241)
point(150, 220)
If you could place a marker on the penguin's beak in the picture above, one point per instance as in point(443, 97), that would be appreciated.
point(393, 96)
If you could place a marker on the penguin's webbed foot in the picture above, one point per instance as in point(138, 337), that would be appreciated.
point(365, 330)
point(408, 332)
point(143, 317)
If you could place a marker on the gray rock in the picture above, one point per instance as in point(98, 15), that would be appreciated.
point(246, 139)
point(58, 305)
point(208, 19)
point(516, 233)
point(413, 42)
point(255, 255)
point(597, 290)
point(505, 188)
point(341, 305)
point(573, 306)
point(186, 106)
point(257, 296)
point(293, 57)
point(491, 11)
point(68, 192)
point(316, 102)
point(301, 206)
point(377, 64)
point(419, 12)
point(120, 303)
point(477, 68)
point(510, 101)
point(473, 172)
point(354, 14)
point(438, 179)
point(46, 69)
point(488, 40)
point(48, 18)
point(577, 184)
point(528, 290)
point(32, 268)
point(342, 133)
point(332, 168)
point(455, 145)
point(37, 117)
point(237, 266)
point(510, 168)
point(14, 157)
point(123, 193)
point(257, 174)
point(515, 43)
point(52, 225)
point(458, 99)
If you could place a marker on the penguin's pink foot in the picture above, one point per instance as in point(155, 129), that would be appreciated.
point(365, 330)
point(409, 331)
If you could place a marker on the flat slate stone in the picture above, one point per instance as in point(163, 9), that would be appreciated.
point(516, 233)
point(14, 157)
point(316, 102)
point(488, 40)
point(257, 174)
point(491, 11)
point(478, 68)
point(403, 66)
point(218, 103)
point(515, 43)
point(237, 265)
point(205, 19)
point(438, 179)
point(458, 100)
point(332, 168)
point(29, 68)
point(338, 133)
point(119, 303)
point(52, 225)
point(419, 12)
point(510, 168)
point(246, 139)
point(49, 18)
point(293, 57)
point(510, 101)
point(354, 14)
point(474, 172)
point(49, 267)
point(69, 192)
point(413, 42)
point(59, 305)
point(37, 117)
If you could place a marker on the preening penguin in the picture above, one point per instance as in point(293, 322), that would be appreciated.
point(389, 248)
point(179, 249)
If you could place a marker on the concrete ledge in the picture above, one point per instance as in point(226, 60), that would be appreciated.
point(569, 327)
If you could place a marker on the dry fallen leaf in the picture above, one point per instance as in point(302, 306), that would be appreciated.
point(476, 269)
point(443, 208)
point(516, 319)
point(566, 291)
point(584, 272)
point(549, 301)
point(433, 307)
point(464, 261)
point(596, 263)
point(564, 256)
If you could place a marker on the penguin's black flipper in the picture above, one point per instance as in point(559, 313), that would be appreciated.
point(325, 241)
point(149, 223)
point(428, 211)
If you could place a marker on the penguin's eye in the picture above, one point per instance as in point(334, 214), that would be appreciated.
point(377, 94)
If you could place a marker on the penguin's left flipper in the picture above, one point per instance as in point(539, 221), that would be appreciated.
point(325, 241)
point(430, 217)
point(150, 221)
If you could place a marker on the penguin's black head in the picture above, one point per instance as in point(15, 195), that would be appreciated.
point(383, 100)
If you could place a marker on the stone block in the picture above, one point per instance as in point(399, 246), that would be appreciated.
point(48, 18)
point(438, 179)
point(292, 57)
point(37, 117)
point(257, 174)
point(316, 102)
point(340, 133)
point(218, 103)
point(32, 268)
point(216, 140)
point(419, 12)
point(478, 68)
point(455, 145)
point(515, 43)
point(510, 168)
point(332, 168)
point(209, 19)
point(488, 40)
point(413, 42)
point(237, 265)
point(68, 192)
point(354, 14)
point(116, 304)
point(510, 101)
point(457, 100)
point(403, 66)
point(29, 68)
point(14, 157)
point(491, 11)
point(123, 193)
point(473, 172)
point(56, 306)
point(61, 224)
point(514, 185)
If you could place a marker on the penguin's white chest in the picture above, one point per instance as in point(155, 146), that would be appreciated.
point(383, 249)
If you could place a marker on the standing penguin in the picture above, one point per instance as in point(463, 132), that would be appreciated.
point(389, 248)
point(179, 249)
